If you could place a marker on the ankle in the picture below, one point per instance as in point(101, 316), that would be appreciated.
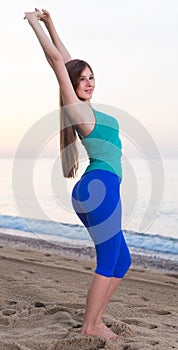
point(87, 329)
point(90, 326)
point(99, 331)
point(99, 322)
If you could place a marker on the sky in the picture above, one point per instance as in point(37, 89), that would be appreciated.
point(132, 47)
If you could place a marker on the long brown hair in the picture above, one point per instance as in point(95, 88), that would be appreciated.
point(68, 136)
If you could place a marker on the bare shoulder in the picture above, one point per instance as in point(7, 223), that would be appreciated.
point(81, 116)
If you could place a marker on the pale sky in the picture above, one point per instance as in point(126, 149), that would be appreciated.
point(132, 47)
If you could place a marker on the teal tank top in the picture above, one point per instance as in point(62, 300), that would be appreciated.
point(103, 145)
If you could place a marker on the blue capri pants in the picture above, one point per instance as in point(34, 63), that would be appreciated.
point(96, 201)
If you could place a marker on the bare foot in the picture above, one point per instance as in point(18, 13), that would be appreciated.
point(107, 329)
point(100, 331)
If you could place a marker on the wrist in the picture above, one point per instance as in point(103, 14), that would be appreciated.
point(49, 24)
point(32, 20)
point(34, 23)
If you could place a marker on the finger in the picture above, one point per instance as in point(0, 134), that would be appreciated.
point(37, 11)
point(44, 11)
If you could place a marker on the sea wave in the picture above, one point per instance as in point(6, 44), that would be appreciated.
point(143, 242)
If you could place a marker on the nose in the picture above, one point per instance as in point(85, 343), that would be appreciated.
point(88, 82)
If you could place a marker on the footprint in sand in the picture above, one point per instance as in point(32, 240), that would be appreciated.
point(64, 314)
point(154, 342)
point(56, 309)
point(65, 318)
point(8, 312)
point(39, 304)
point(171, 326)
point(139, 322)
point(24, 272)
point(131, 347)
point(145, 299)
point(65, 307)
point(12, 302)
point(156, 312)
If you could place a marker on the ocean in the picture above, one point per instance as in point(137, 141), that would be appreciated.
point(38, 205)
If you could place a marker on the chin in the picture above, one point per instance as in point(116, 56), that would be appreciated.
point(85, 99)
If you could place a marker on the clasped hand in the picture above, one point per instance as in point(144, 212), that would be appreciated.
point(43, 16)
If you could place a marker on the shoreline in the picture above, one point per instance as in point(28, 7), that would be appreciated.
point(84, 252)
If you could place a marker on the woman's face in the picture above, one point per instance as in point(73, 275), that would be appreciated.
point(86, 85)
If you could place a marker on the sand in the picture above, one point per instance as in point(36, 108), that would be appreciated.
point(42, 299)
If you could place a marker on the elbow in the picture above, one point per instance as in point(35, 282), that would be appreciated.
point(57, 65)
point(57, 58)
point(53, 60)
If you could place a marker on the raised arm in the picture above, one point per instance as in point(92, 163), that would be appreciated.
point(79, 112)
point(46, 18)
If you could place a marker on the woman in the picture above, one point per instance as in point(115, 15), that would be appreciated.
point(96, 196)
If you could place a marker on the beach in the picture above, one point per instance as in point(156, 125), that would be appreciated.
point(43, 292)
